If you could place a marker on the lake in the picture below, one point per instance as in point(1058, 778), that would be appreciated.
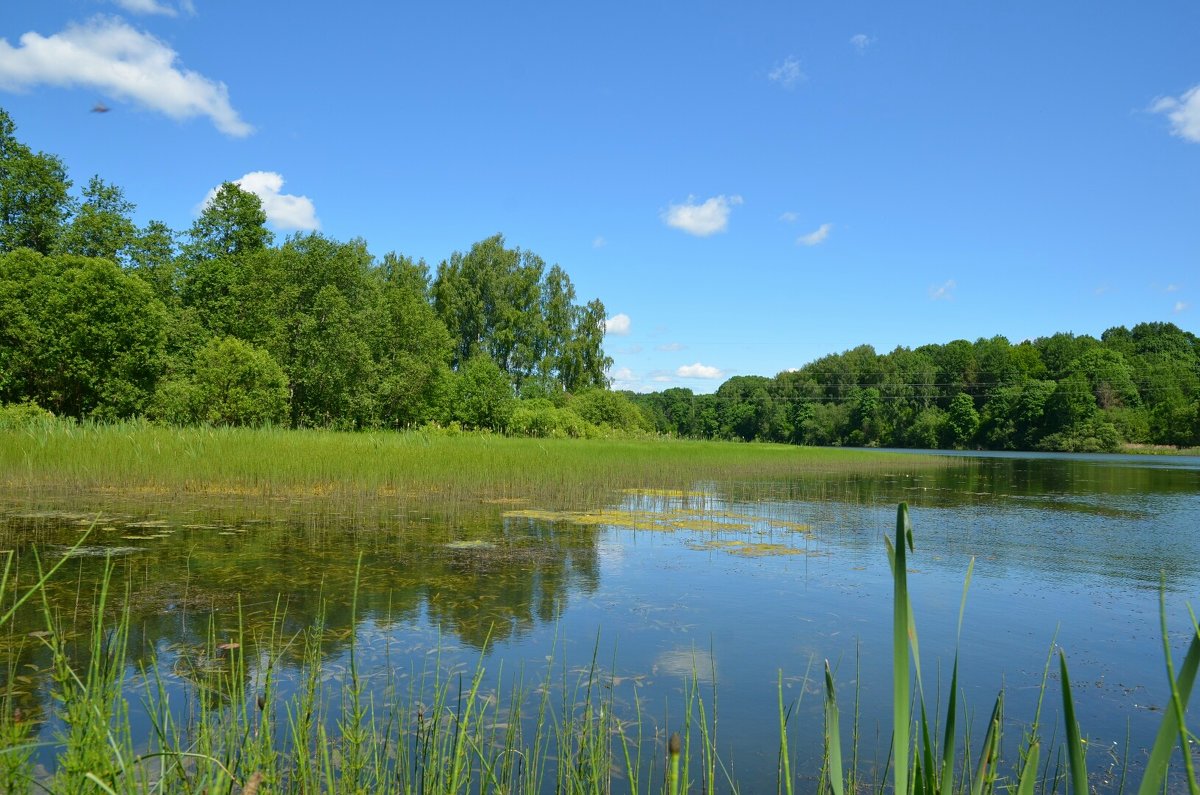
point(722, 590)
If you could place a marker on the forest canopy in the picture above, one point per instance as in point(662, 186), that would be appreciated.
point(1062, 392)
point(221, 324)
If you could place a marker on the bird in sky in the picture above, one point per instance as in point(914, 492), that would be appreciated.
point(100, 107)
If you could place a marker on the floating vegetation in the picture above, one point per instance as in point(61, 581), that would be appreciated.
point(664, 521)
point(710, 525)
point(149, 523)
point(471, 544)
point(101, 551)
point(747, 549)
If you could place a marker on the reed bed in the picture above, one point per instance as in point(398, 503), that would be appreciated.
point(146, 462)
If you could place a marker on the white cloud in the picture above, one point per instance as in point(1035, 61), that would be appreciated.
point(787, 73)
point(861, 42)
point(599, 242)
point(110, 56)
point(148, 7)
point(1183, 112)
point(698, 370)
point(789, 217)
point(1172, 288)
point(618, 325)
point(1181, 306)
point(284, 210)
point(661, 377)
point(623, 374)
point(625, 379)
point(632, 350)
point(671, 347)
point(943, 293)
point(815, 237)
point(704, 219)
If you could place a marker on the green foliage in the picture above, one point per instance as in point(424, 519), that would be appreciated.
point(504, 304)
point(21, 416)
point(231, 223)
point(483, 395)
point(102, 226)
point(231, 383)
point(79, 336)
point(34, 200)
point(962, 421)
point(1062, 392)
point(608, 409)
point(540, 418)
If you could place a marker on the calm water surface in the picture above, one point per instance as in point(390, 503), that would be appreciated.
point(733, 584)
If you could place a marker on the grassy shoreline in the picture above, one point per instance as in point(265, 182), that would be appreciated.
point(416, 466)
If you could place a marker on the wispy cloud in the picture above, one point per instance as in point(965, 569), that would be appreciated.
point(284, 210)
point(623, 378)
point(661, 377)
point(815, 237)
point(1182, 306)
point(787, 73)
point(789, 217)
point(698, 370)
point(618, 325)
point(599, 242)
point(119, 61)
point(622, 374)
point(704, 219)
point(671, 347)
point(631, 350)
point(861, 41)
point(945, 292)
point(155, 7)
point(1184, 113)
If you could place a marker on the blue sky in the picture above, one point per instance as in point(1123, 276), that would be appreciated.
point(747, 187)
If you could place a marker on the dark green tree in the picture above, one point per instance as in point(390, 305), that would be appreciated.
point(102, 226)
point(34, 194)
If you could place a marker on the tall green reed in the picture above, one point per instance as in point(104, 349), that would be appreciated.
point(917, 764)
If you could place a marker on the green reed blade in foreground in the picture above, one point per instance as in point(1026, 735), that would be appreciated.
point(1168, 730)
point(1075, 752)
point(900, 639)
point(1028, 780)
point(833, 734)
point(985, 773)
point(1174, 724)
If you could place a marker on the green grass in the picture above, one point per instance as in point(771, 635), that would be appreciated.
point(137, 461)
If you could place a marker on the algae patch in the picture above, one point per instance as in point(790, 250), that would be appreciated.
point(747, 549)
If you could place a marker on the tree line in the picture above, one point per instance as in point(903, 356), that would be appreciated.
point(1062, 392)
point(221, 324)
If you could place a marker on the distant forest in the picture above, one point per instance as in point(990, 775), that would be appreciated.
point(1063, 392)
point(220, 324)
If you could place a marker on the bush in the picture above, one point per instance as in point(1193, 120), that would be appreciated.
point(541, 418)
point(25, 415)
point(609, 409)
point(232, 383)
